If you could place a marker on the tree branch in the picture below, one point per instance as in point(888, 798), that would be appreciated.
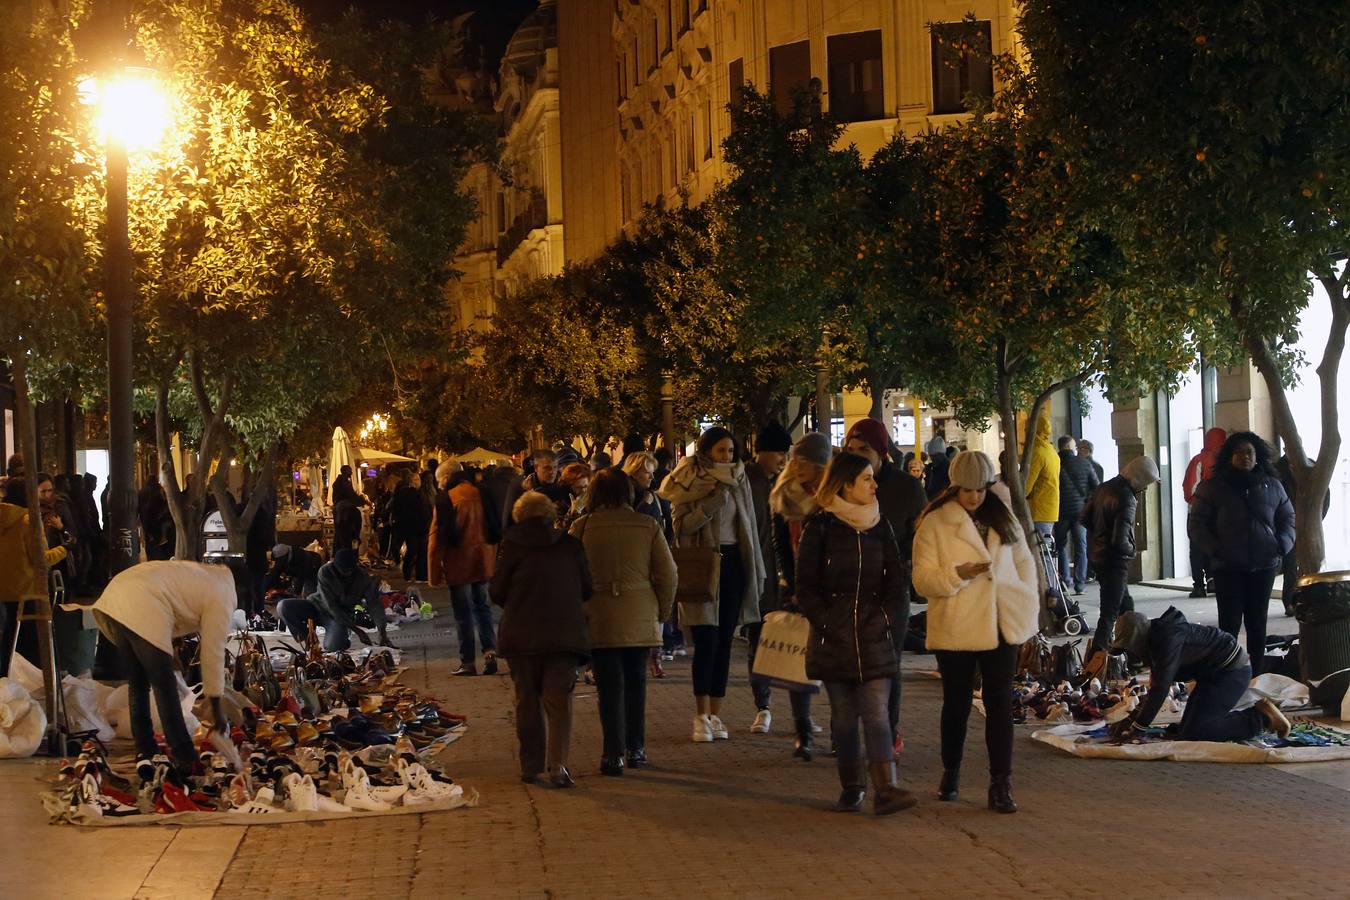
point(1041, 399)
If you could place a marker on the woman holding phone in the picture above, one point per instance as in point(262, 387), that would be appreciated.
point(972, 563)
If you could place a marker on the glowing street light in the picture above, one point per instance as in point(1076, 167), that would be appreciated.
point(131, 108)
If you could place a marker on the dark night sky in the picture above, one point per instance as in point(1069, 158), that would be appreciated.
point(495, 20)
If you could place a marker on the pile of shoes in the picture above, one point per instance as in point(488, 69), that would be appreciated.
point(1064, 702)
point(328, 735)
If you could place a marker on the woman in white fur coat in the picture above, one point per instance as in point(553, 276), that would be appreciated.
point(972, 562)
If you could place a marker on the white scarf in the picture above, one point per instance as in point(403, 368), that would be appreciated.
point(861, 517)
point(695, 478)
point(789, 499)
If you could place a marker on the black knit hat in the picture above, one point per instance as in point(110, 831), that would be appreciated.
point(773, 438)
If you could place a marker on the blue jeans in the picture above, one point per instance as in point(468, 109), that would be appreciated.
point(868, 702)
point(295, 613)
point(1067, 530)
point(1209, 714)
point(470, 605)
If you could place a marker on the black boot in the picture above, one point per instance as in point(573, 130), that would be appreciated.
point(889, 797)
point(1000, 795)
point(802, 747)
point(611, 765)
point(949, 789)
point(854, 784)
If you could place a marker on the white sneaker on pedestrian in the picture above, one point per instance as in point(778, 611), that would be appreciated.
point(719, 729)
point(703, 730)
point(816, 729)
point(763, 721)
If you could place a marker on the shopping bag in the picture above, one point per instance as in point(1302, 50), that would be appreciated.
point(780, 656)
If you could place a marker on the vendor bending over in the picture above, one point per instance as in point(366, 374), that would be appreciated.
point(1175, 650)
point(294, 572)
point(343, 585)
point(140, 612)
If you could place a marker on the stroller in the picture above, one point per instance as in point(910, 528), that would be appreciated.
point(1063, 615)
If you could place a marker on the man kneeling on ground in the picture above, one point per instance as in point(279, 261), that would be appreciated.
point(1176, 650)
point(343, 585)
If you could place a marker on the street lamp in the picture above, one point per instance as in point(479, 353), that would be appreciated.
point(131, 114)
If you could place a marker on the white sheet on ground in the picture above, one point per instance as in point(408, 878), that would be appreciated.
point(1070, 739)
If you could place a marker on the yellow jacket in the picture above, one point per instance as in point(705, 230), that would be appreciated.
point(1043, 476)
point(19, 575)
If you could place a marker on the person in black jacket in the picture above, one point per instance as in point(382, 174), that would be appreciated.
point(850, 586)
point(1077, 480)
point(411, 518)
point(902, 498)
point(542, 582)
point(1242, 524)
point(294, 572)
point(1109, 520)
point(1175, 650)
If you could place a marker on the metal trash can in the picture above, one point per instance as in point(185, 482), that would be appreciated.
point(1322, 607)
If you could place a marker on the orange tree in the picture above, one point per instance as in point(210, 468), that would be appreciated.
point(1031, 294)
point(1217, 136)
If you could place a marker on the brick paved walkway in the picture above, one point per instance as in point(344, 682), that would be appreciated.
point(741, 818)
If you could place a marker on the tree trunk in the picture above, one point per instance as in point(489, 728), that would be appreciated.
point(1312, 479)
point(1011, 475)
point(27, 425)
point(238, 524)
point(878, 382)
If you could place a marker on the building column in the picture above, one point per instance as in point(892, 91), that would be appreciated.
point(1243, 402)
point(1134, 427)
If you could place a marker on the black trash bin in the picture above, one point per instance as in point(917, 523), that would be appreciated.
point(1322, 607)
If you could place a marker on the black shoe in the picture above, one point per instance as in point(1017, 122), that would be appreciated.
point(1000, 795)
point(611, 766)
point(464, 670)
point(489, 663)
point(1198, 593)
point(851, 800)
point(802, 747)
point(529, 779)
point(637, 759)
point(949, 789)
point(562, 778)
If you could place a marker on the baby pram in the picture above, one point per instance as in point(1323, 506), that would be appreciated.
point(1063, 615)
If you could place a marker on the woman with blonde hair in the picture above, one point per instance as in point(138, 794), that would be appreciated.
point(851, 587)
point(972, 562)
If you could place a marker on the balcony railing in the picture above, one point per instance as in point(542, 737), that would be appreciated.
point(534, 216)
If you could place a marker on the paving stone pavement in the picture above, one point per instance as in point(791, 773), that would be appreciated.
point(742, 818)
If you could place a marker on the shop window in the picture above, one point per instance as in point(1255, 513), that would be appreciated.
point(855, 76)
point(789, 74)
point(736, 83)
point(960, 64)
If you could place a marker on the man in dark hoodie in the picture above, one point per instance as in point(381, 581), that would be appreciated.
point(343, 585)
point(902, 499)
point(936, 473)
point(1175, 650)
point(1077, 481)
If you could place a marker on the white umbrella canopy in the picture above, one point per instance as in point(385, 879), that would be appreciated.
point(341, 455)
point(379, 457)
point(482, 456)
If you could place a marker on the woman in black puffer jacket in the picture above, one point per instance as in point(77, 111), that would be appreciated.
point(1242, 524)
point(850, 586)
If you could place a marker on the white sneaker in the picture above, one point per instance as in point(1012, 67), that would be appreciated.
point(703, 730)
point(359, 795)
point(301, 794)
point(815, 729)
point(763, 721)
point(719, 730)
point(260, 805)
point(422, 788)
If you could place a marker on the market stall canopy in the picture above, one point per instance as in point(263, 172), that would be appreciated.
point(340, 456)
point(482, 456)
point(379, 458)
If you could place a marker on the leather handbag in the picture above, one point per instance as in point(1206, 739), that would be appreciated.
point(699, 571)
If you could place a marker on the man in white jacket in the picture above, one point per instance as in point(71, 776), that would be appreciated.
point(140, 612)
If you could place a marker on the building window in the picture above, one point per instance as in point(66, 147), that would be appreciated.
point(674, 157)
point(789, 73)
point(736, 84)
point(707, 128)
point(855, 76)
point(960, 64)
point(682, 12)
point(501, 212)
point(626, 196)
point(689, 158)
point(618, 71)
point(670, 23)
point(656, 42)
